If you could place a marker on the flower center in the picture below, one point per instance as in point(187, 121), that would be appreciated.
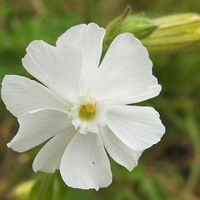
point(87, 111)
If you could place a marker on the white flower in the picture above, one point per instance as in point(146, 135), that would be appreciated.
point(81, 106)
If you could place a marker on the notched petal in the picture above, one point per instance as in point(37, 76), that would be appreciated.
point(125, 74)
point(22, 95)
point(37, 127)
point(85, 164)
point(138, 127)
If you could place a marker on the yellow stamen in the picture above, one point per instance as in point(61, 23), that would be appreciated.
point(87, 111)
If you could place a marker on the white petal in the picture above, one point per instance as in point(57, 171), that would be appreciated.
point(88, 39)
point(121, 153)
point(138, 127)
point(49, 157)
point(85, 164)
point(125, 74)
point(22, 95)
point(37, 127)
point(59, 68)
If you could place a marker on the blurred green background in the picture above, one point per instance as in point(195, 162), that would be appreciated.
point(167, 171)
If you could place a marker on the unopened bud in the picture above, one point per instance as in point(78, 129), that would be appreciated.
point(174, 32)
point(139, 26)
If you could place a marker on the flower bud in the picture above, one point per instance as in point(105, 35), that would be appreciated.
point(174, 32)
point(139, 26)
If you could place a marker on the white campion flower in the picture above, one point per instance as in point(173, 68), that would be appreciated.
point(81, 107)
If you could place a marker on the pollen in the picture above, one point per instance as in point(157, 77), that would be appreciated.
point(87, 112)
